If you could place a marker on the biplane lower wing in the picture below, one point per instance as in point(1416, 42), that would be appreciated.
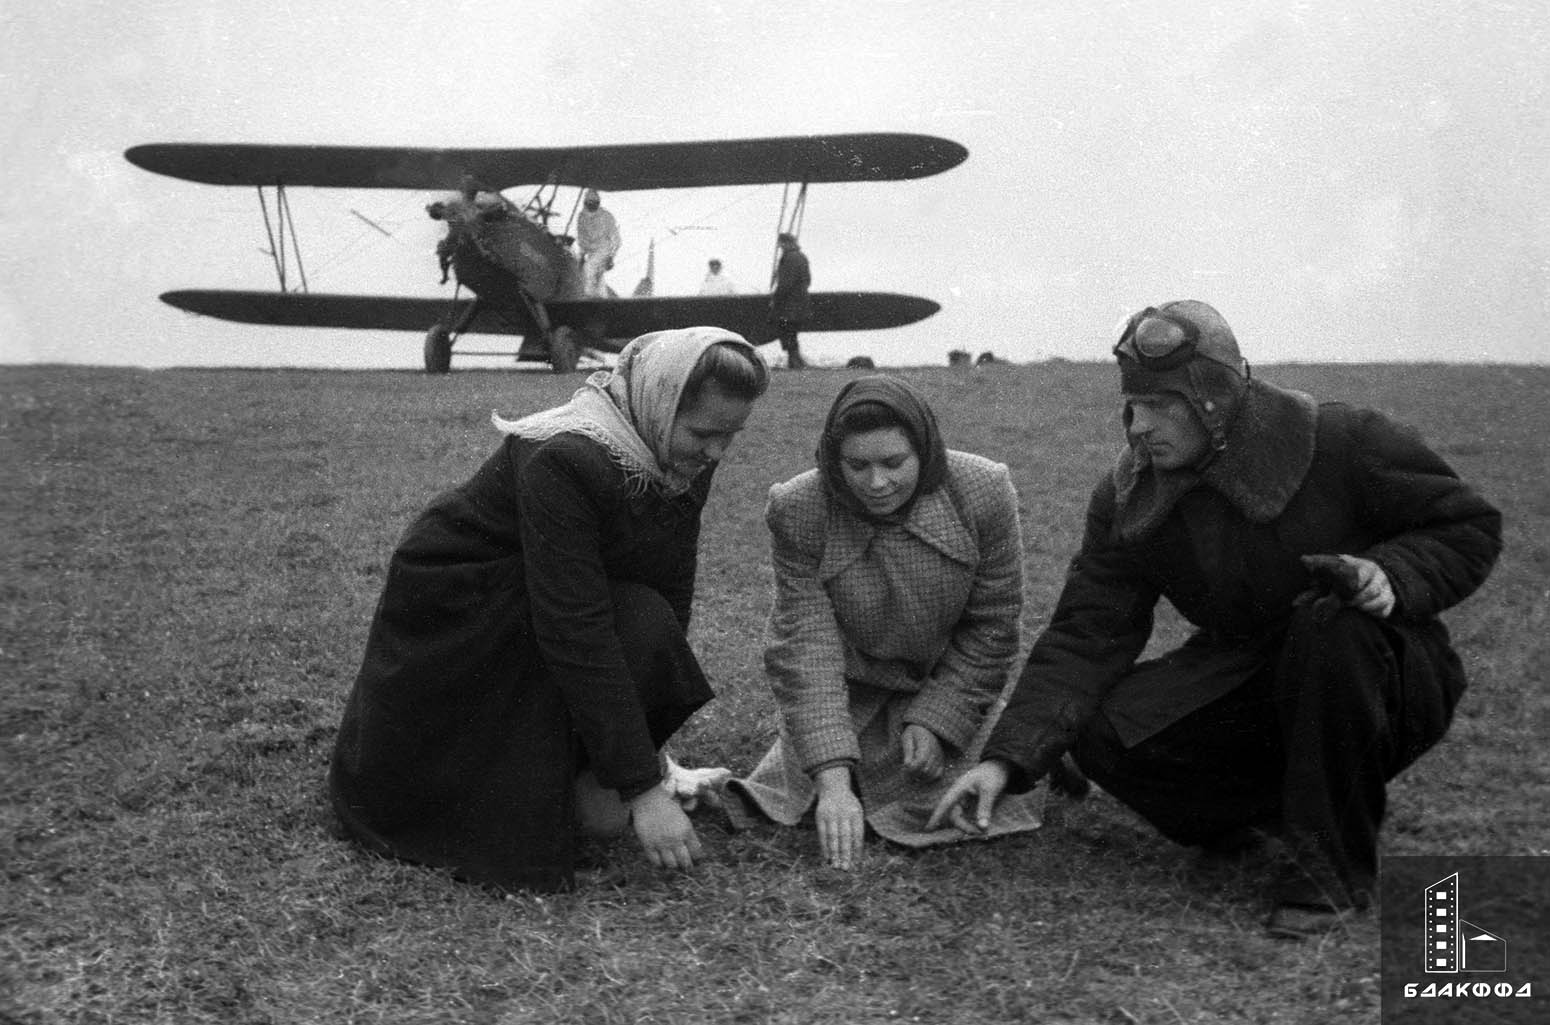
point(602, 318)
point(748, 315)
point(294, 309)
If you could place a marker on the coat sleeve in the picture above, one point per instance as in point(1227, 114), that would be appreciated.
point(1099, 628)
point(1441, 539)
point(678, 586)
point(792, 276)
point(971, 673)
point(679, 592)
point(573, 618)
point(803, 655)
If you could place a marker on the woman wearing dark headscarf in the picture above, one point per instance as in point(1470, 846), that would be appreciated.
point(898, 585)
point(528, 658)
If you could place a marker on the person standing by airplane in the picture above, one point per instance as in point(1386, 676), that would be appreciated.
point(898, 586)
point(790, 306)
point(1312, 546)
point(716, 283)
point(528, 657)
point(597, 235)
point(465, 215)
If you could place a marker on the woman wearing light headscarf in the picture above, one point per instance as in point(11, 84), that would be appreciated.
point(528, 657)
point(898, 586)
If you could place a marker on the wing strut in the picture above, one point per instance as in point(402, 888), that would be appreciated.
point(570, 219)
point(287, 226)
point(790, 222)
point(540, 207)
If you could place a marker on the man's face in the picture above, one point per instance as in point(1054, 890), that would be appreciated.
point(1165, 425)
point(591, 200)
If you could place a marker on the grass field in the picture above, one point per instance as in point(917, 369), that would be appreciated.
point(189, 562)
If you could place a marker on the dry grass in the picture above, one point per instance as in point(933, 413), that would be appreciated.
point(188, 566)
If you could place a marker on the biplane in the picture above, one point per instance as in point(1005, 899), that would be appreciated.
point(523, 276)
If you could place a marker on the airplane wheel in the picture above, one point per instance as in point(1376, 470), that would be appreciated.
point(564, 353)
point(438, 350)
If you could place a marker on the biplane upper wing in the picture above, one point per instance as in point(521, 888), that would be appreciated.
point(609, 318)
point(869, 156)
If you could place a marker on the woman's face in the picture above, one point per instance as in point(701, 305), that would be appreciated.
point(881, 468)
point(703, 432)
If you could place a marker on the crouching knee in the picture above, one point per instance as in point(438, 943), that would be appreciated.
point(643, 618)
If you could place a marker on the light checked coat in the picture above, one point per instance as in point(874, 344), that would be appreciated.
point(877, 625)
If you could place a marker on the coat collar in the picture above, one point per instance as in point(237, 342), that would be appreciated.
point(1269, 451)
point(933, 520)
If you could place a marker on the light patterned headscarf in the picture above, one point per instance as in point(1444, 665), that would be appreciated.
point(630, 409)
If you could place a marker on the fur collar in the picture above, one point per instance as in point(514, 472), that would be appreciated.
point(1269, 450)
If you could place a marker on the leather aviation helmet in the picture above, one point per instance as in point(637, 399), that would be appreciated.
point(1185, 347)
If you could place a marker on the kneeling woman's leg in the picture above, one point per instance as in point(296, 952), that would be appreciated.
point(668, 680)
point(484, 781)
point(556, 798)
point(667, 676)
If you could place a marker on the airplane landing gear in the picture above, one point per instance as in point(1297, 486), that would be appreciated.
point(439, 339)
point(438, 349)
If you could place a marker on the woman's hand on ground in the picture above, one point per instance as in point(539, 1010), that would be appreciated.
point(664, 831)
point(923, 757)
point(841, 822)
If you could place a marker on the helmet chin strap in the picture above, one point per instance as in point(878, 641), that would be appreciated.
point(1208, 403)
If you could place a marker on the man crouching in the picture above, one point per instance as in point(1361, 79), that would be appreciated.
point(1312, 546)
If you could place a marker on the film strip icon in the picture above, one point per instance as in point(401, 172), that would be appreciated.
point(1442, 925)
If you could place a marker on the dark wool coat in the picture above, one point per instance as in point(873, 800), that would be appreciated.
point(1296, 478)
point(790, 301)
point(495, 666)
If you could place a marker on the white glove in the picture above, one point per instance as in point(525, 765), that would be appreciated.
point(1374, 594)
point(691, 786)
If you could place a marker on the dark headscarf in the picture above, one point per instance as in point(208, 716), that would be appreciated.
point(919, 425)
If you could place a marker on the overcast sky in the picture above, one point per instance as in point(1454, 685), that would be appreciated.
point(1345, 181)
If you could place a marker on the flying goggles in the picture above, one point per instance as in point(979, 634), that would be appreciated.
point(1158, 340)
